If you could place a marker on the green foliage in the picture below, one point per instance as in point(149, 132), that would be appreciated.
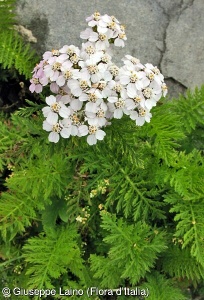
point(130, 206)
point(161, 288)
point(7, 16)
point(133, 249)
point(51, 255)
point(14, 52)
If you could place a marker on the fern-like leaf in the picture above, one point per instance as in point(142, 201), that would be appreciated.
point(49, 256)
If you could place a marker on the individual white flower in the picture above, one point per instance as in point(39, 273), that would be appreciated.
point(103, 87)
point(67, 73)
point(97, 118)
point(153, 73)
point(93, 99)
point(132, 78)
point(54, 109)
point(133, 63)
point(136, 98)
point(152, 94)
point(111, 73)
point(95, 18)
point(101, 40)
point(89, 51)
point(78, 87)
point(70, 50)
point(92, 71)
point(119, 41)
point(142, 116)
point(56, 129)
point(95, 133)
point(118, 105)
point(53, 68)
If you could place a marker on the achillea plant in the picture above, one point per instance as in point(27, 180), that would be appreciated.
point(120, 218)
point(89, 89)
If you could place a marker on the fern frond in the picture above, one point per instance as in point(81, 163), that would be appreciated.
point(15, 53)
point(190, 108)
point(28, 111)
point(179, 263)
point(190, 226)
point(186, 175)
point(133, 249)
point(165, 131)
point(17, 210)
point(52, 255)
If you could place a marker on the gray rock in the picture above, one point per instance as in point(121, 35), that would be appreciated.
point(183, 59)
point(56, 23)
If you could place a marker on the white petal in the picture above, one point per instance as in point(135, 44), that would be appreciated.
point(74, 130)
point(124, 79)
point(47, 126)
point(83, 130)
point(60, 80)
point(76, 104)
point(112, 99)
point(91, 140)
point(130, 104)
point(140, 121)
point(52, 118)
point(53, 137)
point(118, 113)
point(100, 134)
point(50, 100)
point(65, 132)
point(46, 110)
point(64, 112)
point(131, 91)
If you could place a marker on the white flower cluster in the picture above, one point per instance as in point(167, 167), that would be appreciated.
point(88, 89)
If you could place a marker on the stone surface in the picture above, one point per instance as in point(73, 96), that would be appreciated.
point(167, 33)
point(183, 59)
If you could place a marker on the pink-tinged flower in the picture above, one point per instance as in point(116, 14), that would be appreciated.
point(35, 86)
point(54, 87)
point(67, 72)
point(64, 95)
point(57, 129)
point(54, 109)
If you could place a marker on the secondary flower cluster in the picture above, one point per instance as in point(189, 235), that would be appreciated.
point(88, 89)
